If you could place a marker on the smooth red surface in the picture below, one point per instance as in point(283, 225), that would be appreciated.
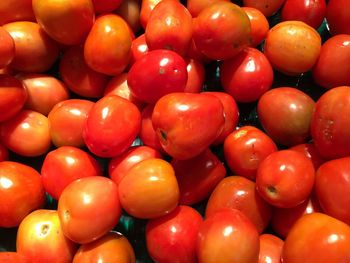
point(338, 17)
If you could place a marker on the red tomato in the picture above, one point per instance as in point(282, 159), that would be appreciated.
point(66, 122)
point(173, 236)
point(106, 6)
point(198, 176)
point(79, 204)
point(253, 146)
point(35, 51)
point(270, 249)
point(331, 69)
point(317, 237)
point(285, 113)
point(111, 126)
point(228, 236)
point(168, 71)
point(64, 165)
point(108, 45)
point(149, 189)
point(237, 192)
point(267, 7)
point(16, 10)
point(13, 96)
point(21, 192)
point(112, 247)
point(146, 8)
point(310, 12)
point(12, 257)
point(209, 37)
point(26, 134)
point(138, 48)
point(310, 151)
point(7, 48)
point(338, 17)
point(4, 153)
point(196, 6)
point(41, 231)
point(247, 76)
point(196, 76)
point(259, 25)
point(187, 123)
point(130, 12)
point(285, 178)
point(65, 21)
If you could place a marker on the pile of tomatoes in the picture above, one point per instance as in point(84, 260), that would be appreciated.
point(174, 131)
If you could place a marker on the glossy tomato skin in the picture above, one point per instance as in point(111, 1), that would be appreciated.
point(327, 236)
point(16, 10)
point(174, 235)
point(196, 6)
point(310, 151)
point(106, 6)
point(285, 114)
point(64, 165)
point(112, 125)
point(12, 257)
point(209, 38)
point(237, 192)
point(198, 176)
point(138, 48)
point(146, 8)
point(267, 7)
point(196, 76)
point(253, 146)
point(285, 178)
point(7, 48)
point(247, 76)
point(270, 248)
point(113, 55)
point(259, 25)
point(224, 232)
point(41, 231)
point(338, 17)
point(168, 74)
point(21, 192)
point(79, 204)
point(66, 22)
point(112, 247)
point(187, 123)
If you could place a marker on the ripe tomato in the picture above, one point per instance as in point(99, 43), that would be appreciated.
point(270, 248)
point(310, 151)
point(196, 76)
point(146, 8)
point(259, 25)
point(106, 6)
point(4, 153)
point(79, 204)
point(12, 257)
point(338, 17)
point(7, 48)
point(138, 48)
point(196, 6)
point(21, 192)
point(267, 7)
point(130, 12)
point(41, 231)
point(16, 10)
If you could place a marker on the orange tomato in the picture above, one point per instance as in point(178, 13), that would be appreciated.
point(259, 25)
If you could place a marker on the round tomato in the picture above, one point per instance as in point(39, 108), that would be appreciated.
point(310, 151)
point(338, 17)
point(7, 48)
point(146, 8)
point(267, 7)
point(270, 248)
point(138, 48)
point(259, 25)
point(196, 6)
point(106, 6)
point(12, 257)
point(196, 76)
point(16, 10)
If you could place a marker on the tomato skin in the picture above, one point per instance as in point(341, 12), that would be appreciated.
point(237, 192)
point(106, 6)
point(21, 192)
point(41, 231)
point(208, 36)
point(168, 71)
point(259, 25)
point(112, 57)
point(16, 10)
point(12, 257)
point(267, 7)
point(226, 231)
point(7, 48)
point(196, 6)
point(111, 126)
point(146, 8)
point(4, 153)
point(78, 216)
point(64, 165)
point(327, 236)
point(66, 22)
point(338, 17)
point(130, 12)
point(270, 248)
point(285, 178)
point(112, 247)
point(138, 48)
point(187, 123)
point(247, 76)
point(174, 235)
point(196, 76)
point(310, 151)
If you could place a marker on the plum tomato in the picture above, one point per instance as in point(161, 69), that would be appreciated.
point(267, 7)
point(7, 48)
point(270, 248)
point(259, 25)
point(16, 10)
point(310, 151)
point(196, 6)
point(338, 17)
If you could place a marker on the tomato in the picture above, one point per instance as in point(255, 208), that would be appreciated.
point(174, 235)
point(44, 91)
point(292, 47)
point(285, 178)
point(65, 21)
point(41, 231)
point(35, 51)
point(120, 165)
point(330, 126)
point(317, 237)
point(26, 134)
point(331, 69)
point(64, 165)
point(16, 10)
point(146, 8)
point(111, 126)
point(78, 76)
point(228, 236)
point(13, 96)
point(168, 71)
point(338, 17)
point(267, 7)
point(138, 48)
point(310, 12)
point(259, 25)
point(149, 189)
point(79, 204)
point(247, 76)
point(310, 151)
point(196, 6)
point(112, 247)
point(285, 113)
point(12, 257)
point(196, 76)
point(7, 48)
point(107, 47)
point(187, 123)
point(4, 153)
point(66, 122)
point(253, 146)
point(130, 12)
point(106, 6)
point(198, 176)
point(209, 38)
point(270, 249)
point(21, 192)
point(237, 192)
